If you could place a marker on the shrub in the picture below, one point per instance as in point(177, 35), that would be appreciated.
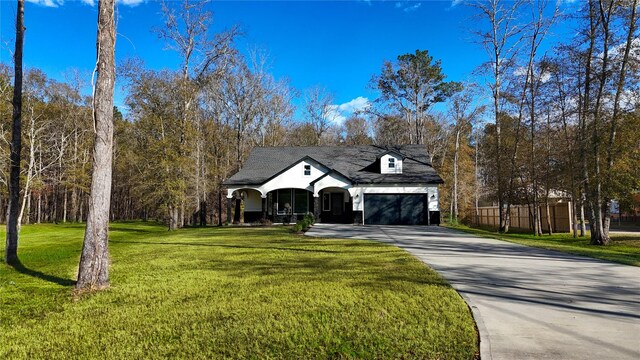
point(309, 219)
point(304, 224)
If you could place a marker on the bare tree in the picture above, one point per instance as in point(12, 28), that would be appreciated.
point(464, 113)
point(186, 31)
point(561, 84)
point(391, 130)
point(603, 11)
point(93, 272)
point(11, 248)
point(539, 28)
point(357, 131)
point(619, 90)
point(501, 41)
point(436, 136)
point(319, 111)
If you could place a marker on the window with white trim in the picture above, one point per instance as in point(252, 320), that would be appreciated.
point(326, 202)
point(392, 163)
point(307, 170)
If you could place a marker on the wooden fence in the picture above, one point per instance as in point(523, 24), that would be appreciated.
point(521, 217)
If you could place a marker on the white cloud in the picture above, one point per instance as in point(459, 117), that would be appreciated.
point(406, 5)
point(47, 3)
point(89, 2)
point(522, 71)
point(456, 2)
point(412, 8)
point(339, 113)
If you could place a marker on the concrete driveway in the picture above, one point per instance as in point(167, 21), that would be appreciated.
point(528, 303)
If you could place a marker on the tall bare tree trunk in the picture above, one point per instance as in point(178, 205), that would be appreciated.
point(64, 206)
point(39, 207)
point(598, 235)
point(11, 247)
point(584, 113)
point(575, 193)
point(497, 41)
point(477, 213)
point(455, 176)
point(30, 169)
point(93, 272)
point(633, 18)
point(548, 175)
point(27, 219)
point(536, 205)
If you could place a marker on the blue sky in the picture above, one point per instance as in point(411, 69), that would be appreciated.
point(338, 45)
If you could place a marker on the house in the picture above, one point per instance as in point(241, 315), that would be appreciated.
point(338, 184)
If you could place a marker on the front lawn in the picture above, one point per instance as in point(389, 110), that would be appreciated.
point(254, 293)
point(623, 249)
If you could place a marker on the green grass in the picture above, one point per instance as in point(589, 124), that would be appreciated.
point(246, 293)
point(623, 249)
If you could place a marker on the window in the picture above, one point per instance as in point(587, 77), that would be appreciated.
point(301, 201)
point(307, 170)
point(326, 202)
point(392, 163)
point(292, 201)
point(284, 201)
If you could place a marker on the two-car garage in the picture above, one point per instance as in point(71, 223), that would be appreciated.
point(399, 209)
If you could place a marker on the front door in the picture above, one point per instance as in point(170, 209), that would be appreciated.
point(337, 204)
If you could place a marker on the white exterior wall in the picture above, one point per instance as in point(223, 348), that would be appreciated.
point(384, 164)
point(294, 177)
point(334, 180)
point(358, 194)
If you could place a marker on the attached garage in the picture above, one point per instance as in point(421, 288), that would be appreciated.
point(397, 209)
point(368, 184)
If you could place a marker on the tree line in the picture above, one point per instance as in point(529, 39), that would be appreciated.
point(564, 119)
point(538, 119)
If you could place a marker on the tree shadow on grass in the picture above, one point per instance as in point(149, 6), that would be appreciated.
point(19, 266)
point(224, 246)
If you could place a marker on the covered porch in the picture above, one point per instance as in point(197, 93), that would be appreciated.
point(288, 205)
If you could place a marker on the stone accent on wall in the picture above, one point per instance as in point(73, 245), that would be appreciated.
point(316, 208)
point(357, 217)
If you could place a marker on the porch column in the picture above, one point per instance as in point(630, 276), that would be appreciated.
point(229, 204)
point(428, 208)
point(316, 208)
point(264, 207)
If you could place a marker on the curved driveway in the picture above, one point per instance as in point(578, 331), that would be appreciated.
point(528, 303)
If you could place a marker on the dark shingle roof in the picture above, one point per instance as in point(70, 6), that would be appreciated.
point(361, 164)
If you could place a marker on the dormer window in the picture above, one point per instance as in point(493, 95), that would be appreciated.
point(390, 164)
point(307, 170)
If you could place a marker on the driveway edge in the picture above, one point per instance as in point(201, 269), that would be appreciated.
point(483, 337)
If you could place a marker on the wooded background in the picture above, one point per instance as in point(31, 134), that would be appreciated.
point(532, 123)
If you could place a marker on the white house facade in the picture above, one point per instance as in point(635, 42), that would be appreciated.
point(357, 184)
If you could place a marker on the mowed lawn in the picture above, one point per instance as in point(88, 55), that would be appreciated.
point(623, 249)
point(245, 293)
